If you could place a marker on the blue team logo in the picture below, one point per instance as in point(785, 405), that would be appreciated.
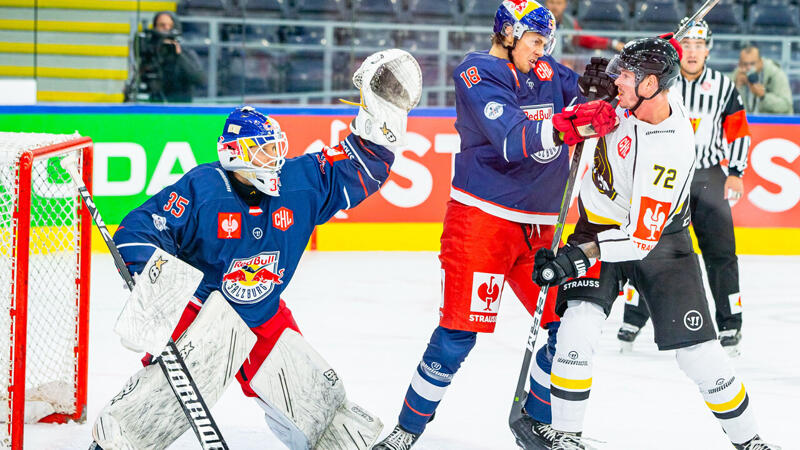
point(250, 280)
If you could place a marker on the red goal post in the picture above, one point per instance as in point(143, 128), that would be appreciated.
point(45, 256)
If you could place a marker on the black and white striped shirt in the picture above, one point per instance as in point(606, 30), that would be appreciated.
point(718, 118)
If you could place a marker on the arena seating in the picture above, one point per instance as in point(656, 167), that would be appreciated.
point(603, 14)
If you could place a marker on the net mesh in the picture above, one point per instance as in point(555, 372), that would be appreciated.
point(54, 263)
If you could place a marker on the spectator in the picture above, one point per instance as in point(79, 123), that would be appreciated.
point(764, 87)
point(165, 71)
point(565, 21)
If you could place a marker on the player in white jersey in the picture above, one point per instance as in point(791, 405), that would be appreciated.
point(720, 125)
point(632, 227)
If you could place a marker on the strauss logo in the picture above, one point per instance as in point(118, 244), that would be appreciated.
point(489, 293)
point(653, 220)
point(229, 225)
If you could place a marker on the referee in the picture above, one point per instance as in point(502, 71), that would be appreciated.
point(717, 114)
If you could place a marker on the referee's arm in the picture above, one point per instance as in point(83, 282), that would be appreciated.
point(737, 134)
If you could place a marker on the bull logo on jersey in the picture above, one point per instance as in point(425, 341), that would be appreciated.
point(602, 176)
point(486, 291)
point(250, 280)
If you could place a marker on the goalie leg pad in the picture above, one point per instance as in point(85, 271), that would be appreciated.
point(146, 414)
point(352, 428)
point(297, 382)
point(156, 302)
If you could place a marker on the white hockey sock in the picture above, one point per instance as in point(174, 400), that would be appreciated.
point(709, 367)
point(571, 375)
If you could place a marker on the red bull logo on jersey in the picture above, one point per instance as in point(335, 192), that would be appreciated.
point(486, 291)
point(250, 280)
point(539, 112)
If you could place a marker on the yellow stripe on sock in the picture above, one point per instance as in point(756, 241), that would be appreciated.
point(565, 383)
point(727, 406)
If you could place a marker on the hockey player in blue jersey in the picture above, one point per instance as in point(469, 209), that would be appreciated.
point(506, 192)
point(244, 222)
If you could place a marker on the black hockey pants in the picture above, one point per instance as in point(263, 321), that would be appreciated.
point(713, 226)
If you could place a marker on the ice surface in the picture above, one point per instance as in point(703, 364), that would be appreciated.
point(371, 314)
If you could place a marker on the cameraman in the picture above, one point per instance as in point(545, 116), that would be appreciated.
point(166, 72)
point(764, 87)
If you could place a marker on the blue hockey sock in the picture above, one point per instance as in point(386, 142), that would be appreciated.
point(446, 351)
point(537, 405)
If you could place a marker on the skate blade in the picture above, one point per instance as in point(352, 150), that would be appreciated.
point(625, 347)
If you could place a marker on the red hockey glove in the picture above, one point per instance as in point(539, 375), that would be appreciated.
point(588, 120)
point(671, 38)
point(552, 270)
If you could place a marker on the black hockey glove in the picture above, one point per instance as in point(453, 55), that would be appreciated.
point(595, 76)
point(552, 270)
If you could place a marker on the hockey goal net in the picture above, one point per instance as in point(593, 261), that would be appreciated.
point(44, 282)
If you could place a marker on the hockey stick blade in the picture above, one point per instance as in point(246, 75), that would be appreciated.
point(516, 414)
point(696, 17)
point(174, 367)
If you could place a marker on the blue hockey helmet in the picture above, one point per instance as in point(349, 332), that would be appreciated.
point(526, 15)
point(245, 148)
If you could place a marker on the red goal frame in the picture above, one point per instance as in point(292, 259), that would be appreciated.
point(19, 291)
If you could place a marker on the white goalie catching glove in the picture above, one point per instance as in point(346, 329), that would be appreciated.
point(390, 82)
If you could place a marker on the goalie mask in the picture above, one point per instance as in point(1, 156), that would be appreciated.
point(526, 15)
point(253, 146)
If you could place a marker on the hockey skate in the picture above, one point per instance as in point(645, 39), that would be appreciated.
point(567, 441)
point(627, 334)
point(398, 439)
point(729, 339)
point(756, 444)
point(532, 434)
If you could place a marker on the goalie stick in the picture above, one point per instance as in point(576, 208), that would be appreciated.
point(170, 359)
point(516, 415)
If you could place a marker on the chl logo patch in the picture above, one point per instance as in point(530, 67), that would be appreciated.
point(695, 123)
point(486, 290)
point(624, 147)
point(283, 218)
point(229, 225)
point(543, 70)
point(333, 154)
point(693, 320)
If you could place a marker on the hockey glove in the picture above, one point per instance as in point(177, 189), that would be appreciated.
point(391, 85)
point(595, 83)
point(588, 120)
point(549, 269)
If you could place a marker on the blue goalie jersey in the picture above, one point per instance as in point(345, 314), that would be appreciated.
point(508, 165)
point(250, 253)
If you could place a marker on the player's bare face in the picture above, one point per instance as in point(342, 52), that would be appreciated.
point(626, 85)
point(529, 49)
point(695, 53)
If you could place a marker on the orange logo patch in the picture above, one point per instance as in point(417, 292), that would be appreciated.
point(652, 217)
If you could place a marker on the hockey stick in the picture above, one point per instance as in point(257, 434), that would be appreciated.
point(170, 359)
point(514, 418)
